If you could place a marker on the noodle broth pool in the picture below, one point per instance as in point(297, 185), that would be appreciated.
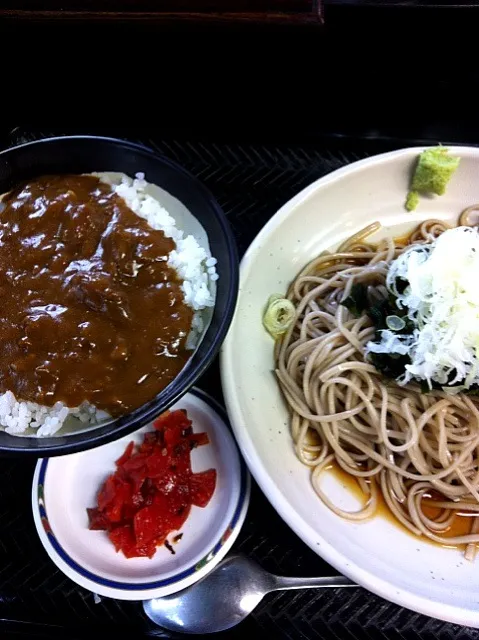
point(460, 526)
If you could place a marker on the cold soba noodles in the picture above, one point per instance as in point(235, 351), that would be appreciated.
point(380, 369)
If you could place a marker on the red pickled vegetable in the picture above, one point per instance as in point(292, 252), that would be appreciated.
point(202, 486)
point(153, 488)
point(98, 520)
point(199, 439)
point(126, 455)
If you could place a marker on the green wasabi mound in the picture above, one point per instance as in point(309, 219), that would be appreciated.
point(433, 172)
point(412, 200)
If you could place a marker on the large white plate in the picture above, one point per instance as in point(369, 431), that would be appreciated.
point(378, 555)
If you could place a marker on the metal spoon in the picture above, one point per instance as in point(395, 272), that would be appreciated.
point(226, 596)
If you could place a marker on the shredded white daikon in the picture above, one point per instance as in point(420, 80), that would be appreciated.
point(442, 300)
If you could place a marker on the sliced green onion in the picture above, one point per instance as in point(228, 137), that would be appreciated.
point(275, 296)
point(395, 323)
point(278, 316)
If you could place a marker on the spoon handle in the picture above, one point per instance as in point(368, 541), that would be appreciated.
point(282, 582)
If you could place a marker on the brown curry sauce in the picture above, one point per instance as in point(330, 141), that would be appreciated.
point(89, 308)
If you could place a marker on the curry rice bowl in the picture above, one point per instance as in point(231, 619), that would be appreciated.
point(193, 265)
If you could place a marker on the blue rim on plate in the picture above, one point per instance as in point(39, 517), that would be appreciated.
point(245, 482)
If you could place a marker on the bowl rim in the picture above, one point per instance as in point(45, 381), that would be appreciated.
point(189, 375)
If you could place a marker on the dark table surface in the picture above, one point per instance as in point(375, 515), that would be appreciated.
point(251, 180)
point(256, 114)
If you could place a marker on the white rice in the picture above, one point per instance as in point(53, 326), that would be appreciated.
point(194, 266)
point(190, 261)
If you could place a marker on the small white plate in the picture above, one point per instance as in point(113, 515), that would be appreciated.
point(64, 487)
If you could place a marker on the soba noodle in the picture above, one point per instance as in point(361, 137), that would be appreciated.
point(419, 450)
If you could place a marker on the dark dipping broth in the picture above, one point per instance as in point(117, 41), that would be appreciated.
point(90, 309)
point(461, 525)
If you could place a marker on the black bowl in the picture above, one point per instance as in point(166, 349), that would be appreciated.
point(83, 154)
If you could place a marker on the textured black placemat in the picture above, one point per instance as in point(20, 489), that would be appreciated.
point(250, 181)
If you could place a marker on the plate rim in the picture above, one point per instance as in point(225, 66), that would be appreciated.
point(151, 589)
point(367, 579)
